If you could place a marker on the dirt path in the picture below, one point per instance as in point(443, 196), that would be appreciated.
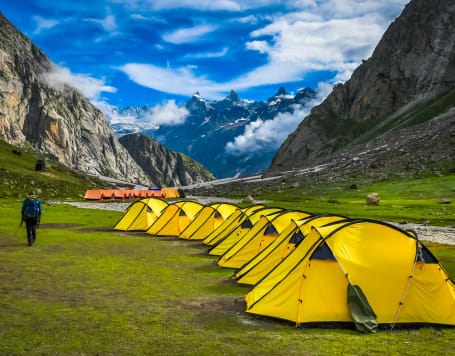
point(97, 206)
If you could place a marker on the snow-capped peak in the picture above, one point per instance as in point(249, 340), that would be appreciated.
point(197, 96)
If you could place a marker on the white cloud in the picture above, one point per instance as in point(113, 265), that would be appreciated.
point(330, 7)
point(180, 81)
point(44, 24)
point(299, 47)
point(152, 19)
point(191, 34)
point(202, 5)
point(260, 46)
point(268, 135)
point(250, 19)
point(137, 120)
point(138, 17)
point(108, 23)
point(217, 54)
point(386, 9)
point(317, 36)
point(168, 114)
point(60, 77)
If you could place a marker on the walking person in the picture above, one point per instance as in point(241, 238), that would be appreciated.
point(31, 214)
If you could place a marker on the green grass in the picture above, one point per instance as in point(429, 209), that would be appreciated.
point(195, 165)
point(401, 199)
point(87, 292)
point(18, 177)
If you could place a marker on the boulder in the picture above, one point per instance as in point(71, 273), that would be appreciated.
point(333, 201)
point(248, 199)
point(372, 199)
point(353, 186)
point(444, 201)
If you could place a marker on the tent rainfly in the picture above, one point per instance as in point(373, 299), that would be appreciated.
point(361, 271)
point(255, 269)
point(208, 219)
point(263, 233)
point(141, 214)
point(175, 218)
point(228, 239)
point(236, 218)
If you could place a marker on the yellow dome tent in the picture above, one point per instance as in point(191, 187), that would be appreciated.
point(236, 218)
point(207, 220)
point(227, 240)
point(254, 270)
point(141, 214)
point(175, 218)
point(362, 271)
point(251, 244)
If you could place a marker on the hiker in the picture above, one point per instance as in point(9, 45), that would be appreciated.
point(31, 214)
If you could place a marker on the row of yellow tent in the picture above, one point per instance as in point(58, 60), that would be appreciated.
point(311, 268)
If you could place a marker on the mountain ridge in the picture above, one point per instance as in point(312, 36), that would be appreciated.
point(212, 124)
point(413, 63)
point(56, 119)
point(61, 123)
point(165, 167)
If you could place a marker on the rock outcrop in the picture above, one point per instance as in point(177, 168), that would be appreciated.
point(165, 167)
point(61, 123)
point(413, 65)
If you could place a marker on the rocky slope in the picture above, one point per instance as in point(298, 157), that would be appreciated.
point(62, 123)
point(211, 124)
point(409, 79)
point(165, 167)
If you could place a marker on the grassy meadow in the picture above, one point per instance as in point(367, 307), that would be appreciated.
point(410, 199)
point(18, 176)
point(84, 289)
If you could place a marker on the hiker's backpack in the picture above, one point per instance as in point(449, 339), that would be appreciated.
point(32, 209)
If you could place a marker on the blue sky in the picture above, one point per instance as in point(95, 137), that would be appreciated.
point(137, 52)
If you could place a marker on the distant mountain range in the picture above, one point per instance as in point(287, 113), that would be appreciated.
point(210, 125)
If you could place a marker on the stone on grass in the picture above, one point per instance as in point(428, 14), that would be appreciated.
point(353, 186)
point(444, 201)
point(333, 201)
point(372, 199)
point(248, 199)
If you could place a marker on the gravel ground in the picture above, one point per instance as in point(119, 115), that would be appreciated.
point(439, 234)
